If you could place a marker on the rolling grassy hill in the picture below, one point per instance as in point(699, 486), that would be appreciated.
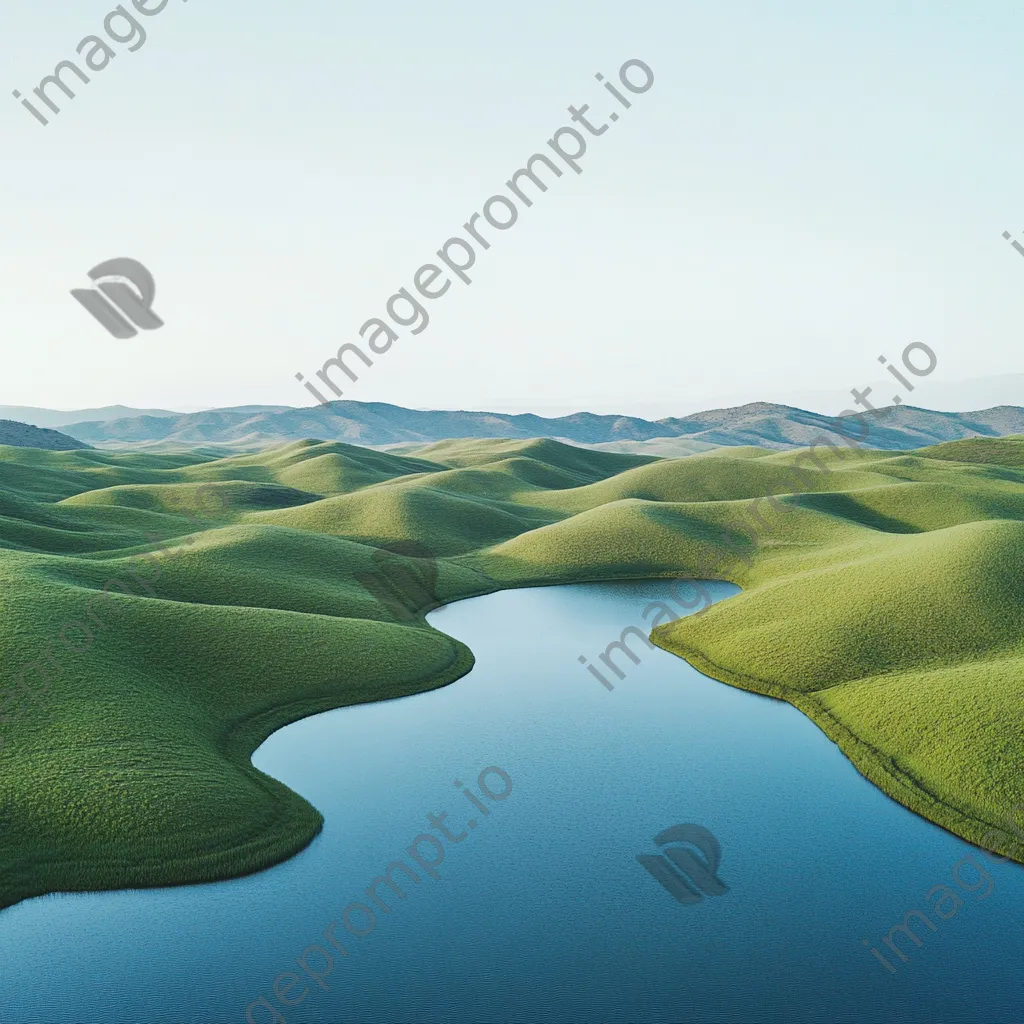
point(662, 447)
point(163, 614)
point(24, 435)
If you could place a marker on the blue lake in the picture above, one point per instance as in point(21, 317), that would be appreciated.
point(541, 913)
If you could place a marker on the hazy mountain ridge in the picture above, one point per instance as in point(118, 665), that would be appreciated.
point(895, 428)
point(37, 417)
point(764, 424)
point(365, 423)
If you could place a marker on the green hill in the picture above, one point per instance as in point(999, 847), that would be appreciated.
point(23, 435)
point(163, 614)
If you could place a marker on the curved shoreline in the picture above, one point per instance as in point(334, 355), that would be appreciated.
point(881, 770)
point(289, 828)
point(293, 823)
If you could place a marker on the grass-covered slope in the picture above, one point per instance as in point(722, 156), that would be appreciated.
point(14, 432)
point(160, 615)
point(900, 631)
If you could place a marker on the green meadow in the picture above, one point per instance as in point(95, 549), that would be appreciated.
point(882, 596)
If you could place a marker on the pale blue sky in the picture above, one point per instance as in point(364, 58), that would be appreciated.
point(805, 186)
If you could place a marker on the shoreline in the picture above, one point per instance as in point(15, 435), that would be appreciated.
point(881, 770)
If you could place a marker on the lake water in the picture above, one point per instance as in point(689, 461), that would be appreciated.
point(541, 913)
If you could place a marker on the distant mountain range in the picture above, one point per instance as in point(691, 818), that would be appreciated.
point(56, 418)
point(24, 435)
point(896, 428)
point(377, 424)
